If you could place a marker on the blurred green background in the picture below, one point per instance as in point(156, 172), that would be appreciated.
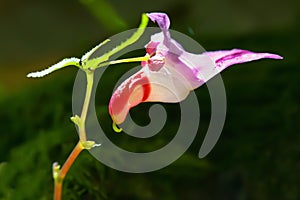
point(258, 154)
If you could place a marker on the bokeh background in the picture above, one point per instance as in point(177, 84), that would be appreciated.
point(258, 154)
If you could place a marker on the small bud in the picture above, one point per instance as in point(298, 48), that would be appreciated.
point(76, 120)
point(89, 144)
point(55, 170)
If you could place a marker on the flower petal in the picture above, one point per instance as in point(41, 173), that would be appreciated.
point(166, 85)
point(161, 19)
point(226, 58)
point(171, 72)
point(195, 68)
point(130, 93)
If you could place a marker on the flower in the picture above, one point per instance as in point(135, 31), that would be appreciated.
point(171, 72)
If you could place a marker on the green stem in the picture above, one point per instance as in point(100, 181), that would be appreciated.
point(89, 87)
point(126, 60)
point(59, 174)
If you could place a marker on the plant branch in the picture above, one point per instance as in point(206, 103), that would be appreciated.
point(59, 174)
point(88, 92)
point(126, 60)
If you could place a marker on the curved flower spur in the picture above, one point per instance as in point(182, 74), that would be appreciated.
point(171, 73)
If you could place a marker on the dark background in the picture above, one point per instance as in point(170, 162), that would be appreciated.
point(258, 154)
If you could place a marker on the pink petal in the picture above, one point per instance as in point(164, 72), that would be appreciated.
point(165, 85)
point(171, 72)
point(163, 22)
point(226, 58)
point(130, 93)
point(151, 47)
point(194, 68)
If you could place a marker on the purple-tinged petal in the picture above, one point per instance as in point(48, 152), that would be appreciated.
point(196, 69)
point(163, 22)
point(193, 68)
point(161, 19)
point(226, 58)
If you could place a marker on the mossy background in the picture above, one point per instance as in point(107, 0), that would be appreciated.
point(258, 154)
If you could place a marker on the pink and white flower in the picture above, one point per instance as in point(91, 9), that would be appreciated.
point(171, 72)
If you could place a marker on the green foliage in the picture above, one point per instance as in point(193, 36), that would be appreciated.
point(26, 174)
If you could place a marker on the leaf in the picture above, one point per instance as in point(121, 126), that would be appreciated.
point(64, 63)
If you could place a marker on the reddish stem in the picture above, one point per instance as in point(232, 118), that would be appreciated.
point(64, 170)
point(57, 190)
